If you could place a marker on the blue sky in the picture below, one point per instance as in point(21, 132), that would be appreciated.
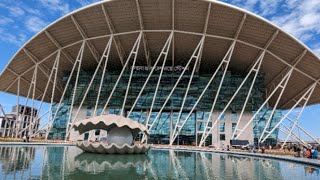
point(21, 19)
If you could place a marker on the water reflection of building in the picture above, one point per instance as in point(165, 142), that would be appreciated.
point(15, 160)
point(71, 163)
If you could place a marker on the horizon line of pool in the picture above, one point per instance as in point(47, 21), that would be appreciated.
point(311, 162)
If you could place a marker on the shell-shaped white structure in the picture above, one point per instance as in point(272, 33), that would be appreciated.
point(108, 123)
point(101, 148)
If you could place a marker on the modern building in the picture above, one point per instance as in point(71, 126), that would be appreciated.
point(24, 123)
point(195, 72)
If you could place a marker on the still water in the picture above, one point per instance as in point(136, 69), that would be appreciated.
point(69, 162)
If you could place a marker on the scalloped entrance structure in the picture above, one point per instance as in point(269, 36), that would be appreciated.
point(110, 123)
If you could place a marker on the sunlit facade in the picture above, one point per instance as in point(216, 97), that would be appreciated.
point(167, 119)
point(194, 72)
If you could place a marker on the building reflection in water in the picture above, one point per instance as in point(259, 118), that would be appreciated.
point(41, 162)
point(16, 161)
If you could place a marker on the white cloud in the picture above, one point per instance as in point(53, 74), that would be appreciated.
point(56, 5)
point(35, 24)
point(16, 11)
point(86, 2)
point(5, 20)
point(16, 39)
point(303, 19)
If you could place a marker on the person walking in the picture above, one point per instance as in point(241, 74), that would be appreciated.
point(315, 154)
point(308, 153)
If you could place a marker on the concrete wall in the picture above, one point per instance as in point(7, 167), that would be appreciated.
point(246, 135)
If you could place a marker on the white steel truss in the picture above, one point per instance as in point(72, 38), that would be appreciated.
point(79, 62)
point(307, 133)
point(293, 136)
point(282, 84)
point(167, 45)
point(134, 51)
point(228, 56)
point(224, 64)
point(164, 52)
point(306, 96)
point(301, 110)
point(32, 86)
point(187, 91)
point(255, 68)
point(78, 59)
point(249, 92)
point(104, 56)
point(195, 55)
point(54, 70)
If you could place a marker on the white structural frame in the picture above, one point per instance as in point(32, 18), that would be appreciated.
point(197, 56)
point(310, 91)
point(149, 126)
point(305, 97)
point(106, 56)
point(164, 52)
point(167, 45)
point(306, 132)
point(255, 68)
point(134, 51)
point(78, 59)
point(293, 136)
point(142, 30)
point(282, 84)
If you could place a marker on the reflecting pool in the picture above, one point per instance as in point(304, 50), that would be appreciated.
point(69, 162)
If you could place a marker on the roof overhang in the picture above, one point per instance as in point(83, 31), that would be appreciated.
point(190, 20)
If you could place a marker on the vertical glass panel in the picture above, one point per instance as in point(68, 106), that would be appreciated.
point(222, 127)
point(234, 116)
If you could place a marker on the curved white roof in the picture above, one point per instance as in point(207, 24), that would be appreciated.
point(220, 23)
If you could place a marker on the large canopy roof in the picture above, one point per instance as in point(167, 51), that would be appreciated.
point(220, 23)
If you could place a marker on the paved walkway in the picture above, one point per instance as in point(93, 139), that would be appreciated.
point(312, 162)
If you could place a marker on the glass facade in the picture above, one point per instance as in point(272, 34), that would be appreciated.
point(161, 129)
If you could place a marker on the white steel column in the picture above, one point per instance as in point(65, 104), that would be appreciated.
point(293, 136)
point(298, 117)
point(17, 109)
point(32, 103)
point(102, 77)
point(273, 110)
point(197, 56)
point(222, 64)
point(194, 56)
point(315, 139)
point(79, 56)
point(158, 83)
point(164, 52)
point(306, 96)
point(106, 50)
point(29, 91)
point(56, 68)
point(249, 93)
point(134, 51)
point(255, 68)
point(79, 62)
point(281, 85)
point(205, 131)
